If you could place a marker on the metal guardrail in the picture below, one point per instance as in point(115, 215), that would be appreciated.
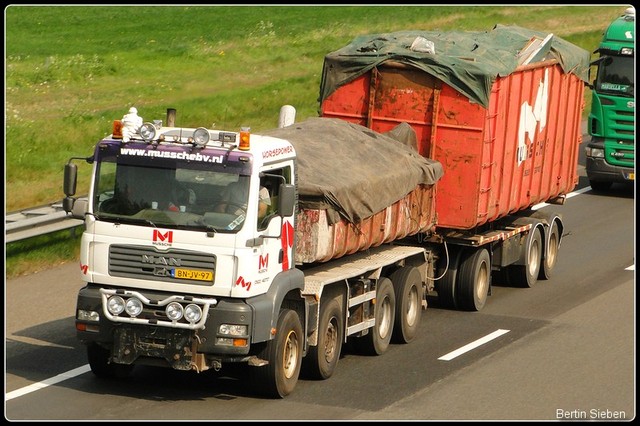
point(36, 221)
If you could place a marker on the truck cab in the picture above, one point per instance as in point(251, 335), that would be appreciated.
point(610, 153)
point(186, 253)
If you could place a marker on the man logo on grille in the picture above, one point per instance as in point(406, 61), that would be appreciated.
point(163, 272)
point(160, 260)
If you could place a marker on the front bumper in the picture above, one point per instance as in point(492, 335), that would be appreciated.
point(598, 170)
point(181, 348)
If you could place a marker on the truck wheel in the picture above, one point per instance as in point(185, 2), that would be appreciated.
point(527, 275)
point(474, 278)
point(321, 360)
point(551, 253)
point(446, 286)
point(100, 366)
point(377, 340)
point(407, 283)
point(278, 378)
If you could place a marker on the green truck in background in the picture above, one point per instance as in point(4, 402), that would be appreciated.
point(610, 153)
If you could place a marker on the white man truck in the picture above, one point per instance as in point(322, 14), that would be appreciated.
point(174, 280)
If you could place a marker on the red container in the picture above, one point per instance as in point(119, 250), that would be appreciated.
point(520, 151)
point(319, 241)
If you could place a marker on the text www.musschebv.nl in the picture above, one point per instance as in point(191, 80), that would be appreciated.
point(173, 155)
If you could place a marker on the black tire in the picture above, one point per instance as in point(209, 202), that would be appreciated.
point(279, 377)
point(100, 366)
point(407, 284)
point(600, 186)
point(527, 275)
point(321, 360)
point(446, 286)
point(377, 340)
point(548, 263)
point(474, 279)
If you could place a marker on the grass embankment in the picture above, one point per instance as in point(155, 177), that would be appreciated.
point(72, 70)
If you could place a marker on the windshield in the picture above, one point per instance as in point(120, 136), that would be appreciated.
point(616, 76)
point(180, 197)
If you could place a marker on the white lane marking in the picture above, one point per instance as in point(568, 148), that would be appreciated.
point(36, 342)
point(48, 382)
point(569, 195)
point(631, 268)
point(473, 345)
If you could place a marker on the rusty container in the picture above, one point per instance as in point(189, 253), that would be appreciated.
point(520, 151)
point(318, 240)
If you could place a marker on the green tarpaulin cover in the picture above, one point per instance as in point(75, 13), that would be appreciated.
point(467, 61)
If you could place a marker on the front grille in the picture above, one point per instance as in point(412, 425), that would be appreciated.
point(148, 263)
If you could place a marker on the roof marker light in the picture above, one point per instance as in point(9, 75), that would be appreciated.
point(117, 129)
point(245, 136)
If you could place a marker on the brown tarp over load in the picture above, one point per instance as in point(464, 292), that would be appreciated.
point(352, 171)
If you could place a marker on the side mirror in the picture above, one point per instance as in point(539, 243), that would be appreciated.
point(287, 199)
point(77, 207)
point(70, 179)
point(80, 208)
point(67, 204)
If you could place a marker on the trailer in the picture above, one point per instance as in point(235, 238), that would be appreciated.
point(501, 111)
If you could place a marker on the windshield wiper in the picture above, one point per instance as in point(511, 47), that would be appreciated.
point(210, 228)
point(120, 220)
point(150, 223)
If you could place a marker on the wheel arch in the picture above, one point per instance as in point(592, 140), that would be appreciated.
point(284, 292)
point(336, 289)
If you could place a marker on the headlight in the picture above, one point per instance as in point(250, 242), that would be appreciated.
point(115, 305)
point(174, 311)
point(201, 136)
point(233, 329)
point(193, 313)
point(594, 152)
point(133, 306)
point(88, 315)
point(148, 132)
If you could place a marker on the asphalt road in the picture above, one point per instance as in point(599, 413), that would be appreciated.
point(564, 349)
